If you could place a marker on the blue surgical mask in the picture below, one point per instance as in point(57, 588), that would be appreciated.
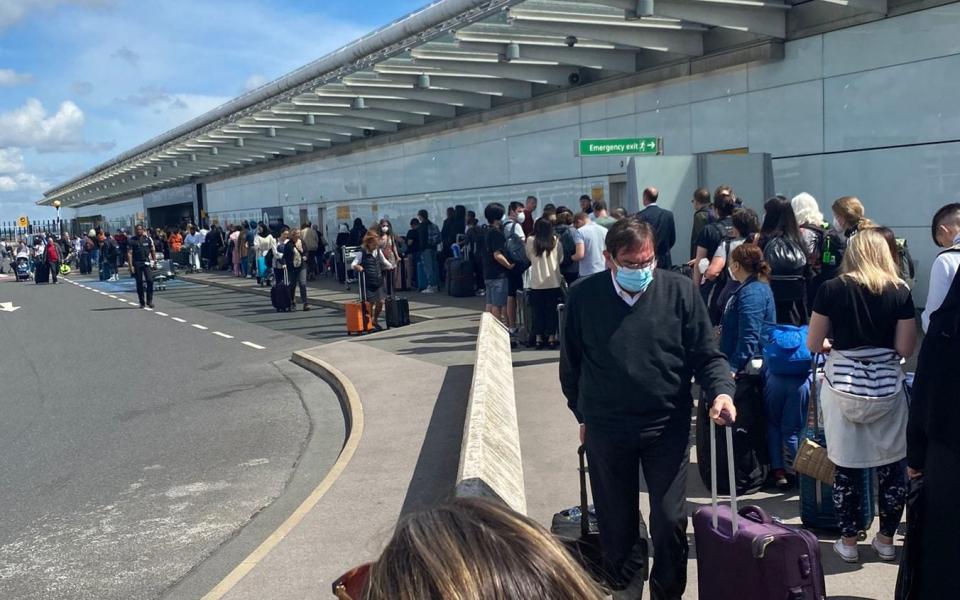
point(635, 280)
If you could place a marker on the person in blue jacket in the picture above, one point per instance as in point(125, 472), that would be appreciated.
point(749, 309)
point(748, 314)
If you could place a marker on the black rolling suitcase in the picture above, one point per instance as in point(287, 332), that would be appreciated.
point(577, 529)
point(41, 273)
point(396, 309)
point(280, 295)
point(525, 319)
point(459, 278)
point(751, 463)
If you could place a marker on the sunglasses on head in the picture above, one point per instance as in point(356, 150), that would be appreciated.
point(349, 586)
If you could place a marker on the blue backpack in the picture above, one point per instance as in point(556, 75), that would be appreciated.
point(785, 350)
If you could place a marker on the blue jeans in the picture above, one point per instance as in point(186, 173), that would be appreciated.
point(430, 267)
point(785, 400)
point(95, 256)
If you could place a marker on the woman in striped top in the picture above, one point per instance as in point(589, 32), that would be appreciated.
point(868, 313)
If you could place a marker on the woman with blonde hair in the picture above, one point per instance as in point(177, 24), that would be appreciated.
point(473, 549)
point(848, 216)
point(869, 312)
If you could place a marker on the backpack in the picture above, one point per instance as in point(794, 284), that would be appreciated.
point(905, 268)
point(785, 350)
point(785, 257)
point(816, 258)
point(717, 300)
point(516, 249)
point(433, 235)
point(569, 249)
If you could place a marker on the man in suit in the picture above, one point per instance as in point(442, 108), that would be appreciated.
point(664, 230)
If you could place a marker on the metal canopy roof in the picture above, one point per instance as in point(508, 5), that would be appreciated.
point(450, 58)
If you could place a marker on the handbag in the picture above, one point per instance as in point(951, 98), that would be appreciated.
point(812, 459)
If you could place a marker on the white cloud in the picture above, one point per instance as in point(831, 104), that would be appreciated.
point(9, 78)
point(253, 82)
point(30, 126)
point(13, 175)
point(11, 161)
point(13, 11)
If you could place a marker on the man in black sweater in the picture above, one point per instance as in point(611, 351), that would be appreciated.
point(634, 337)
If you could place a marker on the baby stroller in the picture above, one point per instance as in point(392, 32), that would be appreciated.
point(22, 268)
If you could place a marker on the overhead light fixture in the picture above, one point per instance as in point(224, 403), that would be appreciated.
point(272, 132)
point(239, 142)
point(214, 151)
point(513, 52)
point(423, 81)
point(173, 164)
point(193, 158)
point(308, 120)
point(358, 103)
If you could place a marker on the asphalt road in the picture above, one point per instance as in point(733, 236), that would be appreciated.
point(138, 445)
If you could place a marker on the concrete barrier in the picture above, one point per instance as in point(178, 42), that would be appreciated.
point(490, 463)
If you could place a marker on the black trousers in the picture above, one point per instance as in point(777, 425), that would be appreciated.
point(545, 318)
point(615, 459)
point(144, 276)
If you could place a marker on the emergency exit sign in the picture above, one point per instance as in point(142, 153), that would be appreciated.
point(619, 146)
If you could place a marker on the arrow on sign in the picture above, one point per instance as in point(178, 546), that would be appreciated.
point(8, 307)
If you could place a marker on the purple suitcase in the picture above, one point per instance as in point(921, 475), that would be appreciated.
point(746, 555)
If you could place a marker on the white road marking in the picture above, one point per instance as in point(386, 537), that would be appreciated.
point(147, 308)
point(179, 320)
point(223, 335)
point(162, 314)
point(133, 303)
point(201, 327)
point(112, 296)
point(252, 345)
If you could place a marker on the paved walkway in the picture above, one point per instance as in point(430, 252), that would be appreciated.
point(413, 384)
point(328, 292)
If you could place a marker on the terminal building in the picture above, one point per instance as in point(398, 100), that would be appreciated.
point(465, 102)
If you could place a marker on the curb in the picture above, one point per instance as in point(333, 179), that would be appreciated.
point(491, 465)
point(353, 420)
point(415, 317)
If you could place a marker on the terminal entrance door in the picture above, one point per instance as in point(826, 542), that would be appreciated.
point(618, 195)
point(676, 178)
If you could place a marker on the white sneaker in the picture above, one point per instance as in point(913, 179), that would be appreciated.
point(848, 554)
point(887, 552)
point(429, 291)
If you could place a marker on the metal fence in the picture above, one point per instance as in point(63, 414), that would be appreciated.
point(10, 230)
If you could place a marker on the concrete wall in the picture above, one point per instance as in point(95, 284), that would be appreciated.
point(868, 110)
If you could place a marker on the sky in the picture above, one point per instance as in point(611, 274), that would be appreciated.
point(82, 81)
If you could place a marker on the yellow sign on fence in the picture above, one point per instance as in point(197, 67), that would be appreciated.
point(23, 221)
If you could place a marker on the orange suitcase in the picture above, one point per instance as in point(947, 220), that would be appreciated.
point(358, 313)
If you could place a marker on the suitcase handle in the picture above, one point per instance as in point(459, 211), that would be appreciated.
point(584, 503)
point(734, 516)
point(756, 514)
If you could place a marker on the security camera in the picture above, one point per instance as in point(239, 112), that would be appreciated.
point(368, 133)
point(574, 79)
point(571, 41)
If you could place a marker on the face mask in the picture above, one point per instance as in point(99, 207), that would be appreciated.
point(837, 225)
point(385, 229)
point(635, 280)
point(730, 273)
point(521, 217)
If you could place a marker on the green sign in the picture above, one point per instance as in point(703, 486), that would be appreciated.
point(619, 146)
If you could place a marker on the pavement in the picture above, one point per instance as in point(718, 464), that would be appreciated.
point(328, 292)
point(413, 385)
